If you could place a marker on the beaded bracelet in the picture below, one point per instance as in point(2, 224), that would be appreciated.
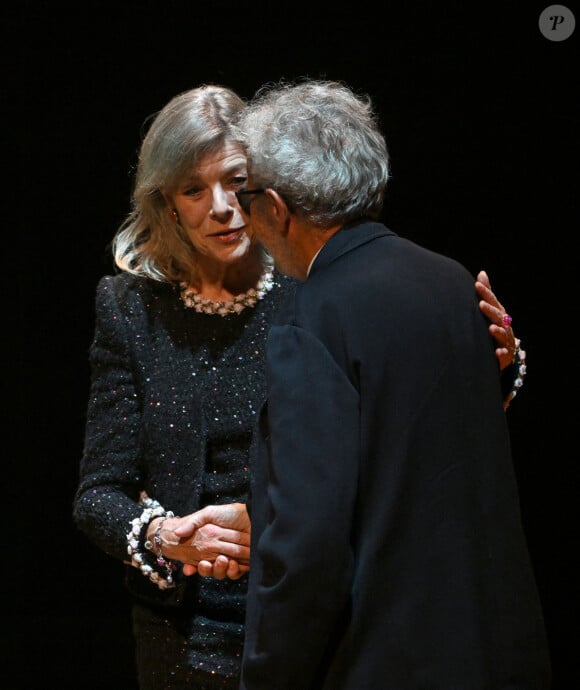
point(520, 359)
point(157, 547)
point(152, 510)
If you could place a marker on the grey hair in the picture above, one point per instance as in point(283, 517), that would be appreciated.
point(318, 144)
point(193, 124)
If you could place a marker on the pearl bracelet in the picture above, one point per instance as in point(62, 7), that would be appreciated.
point(520, 360)
point(152, 510)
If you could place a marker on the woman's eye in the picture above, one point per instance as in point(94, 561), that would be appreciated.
point(239, 182)
point(193, 191)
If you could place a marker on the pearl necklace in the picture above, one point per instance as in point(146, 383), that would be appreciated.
point(233, 306)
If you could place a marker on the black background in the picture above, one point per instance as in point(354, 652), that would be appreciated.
point(481, 116)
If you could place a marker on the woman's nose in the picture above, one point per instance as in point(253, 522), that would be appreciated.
point(221, 202)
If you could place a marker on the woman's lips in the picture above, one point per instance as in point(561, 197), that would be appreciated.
point(231, 236)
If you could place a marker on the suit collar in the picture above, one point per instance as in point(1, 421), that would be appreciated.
point(349, 237)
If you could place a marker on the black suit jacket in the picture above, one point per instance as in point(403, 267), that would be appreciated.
point(387, 546)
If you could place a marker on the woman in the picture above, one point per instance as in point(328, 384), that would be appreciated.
point(177, 380)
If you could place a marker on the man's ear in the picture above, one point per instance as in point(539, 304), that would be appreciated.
point(279, 206)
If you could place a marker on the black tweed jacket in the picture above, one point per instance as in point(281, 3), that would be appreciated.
point(173, 402)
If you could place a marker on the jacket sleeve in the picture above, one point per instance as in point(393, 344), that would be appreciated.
point(107, 492)
point(303, 497)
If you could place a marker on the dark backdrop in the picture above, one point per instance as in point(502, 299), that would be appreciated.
point(481, 116)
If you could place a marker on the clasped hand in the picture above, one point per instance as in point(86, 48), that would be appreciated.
point(213, 542)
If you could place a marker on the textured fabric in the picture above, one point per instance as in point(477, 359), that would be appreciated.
point(387, 547)
point(173, 404)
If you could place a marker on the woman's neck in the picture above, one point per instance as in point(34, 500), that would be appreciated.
point(221, 281)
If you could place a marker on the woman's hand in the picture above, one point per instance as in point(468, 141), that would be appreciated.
point(499, 328)
point(214, 541)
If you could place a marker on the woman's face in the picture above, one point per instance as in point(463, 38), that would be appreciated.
point(208, 209)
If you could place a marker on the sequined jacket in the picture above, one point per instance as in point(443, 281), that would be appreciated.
point(173, 401)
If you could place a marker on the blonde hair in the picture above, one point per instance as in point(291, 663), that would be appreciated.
point(193, 124)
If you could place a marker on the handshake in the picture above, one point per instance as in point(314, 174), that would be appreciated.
point(212, 542)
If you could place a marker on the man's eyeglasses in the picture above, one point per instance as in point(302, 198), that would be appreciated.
point(244, 197)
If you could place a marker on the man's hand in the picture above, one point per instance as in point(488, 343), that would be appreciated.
point(215, 541)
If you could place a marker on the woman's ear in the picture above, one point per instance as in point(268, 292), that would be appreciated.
point(168, 199)
point(170, 206)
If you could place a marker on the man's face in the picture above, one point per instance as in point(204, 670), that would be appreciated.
point(272, 225)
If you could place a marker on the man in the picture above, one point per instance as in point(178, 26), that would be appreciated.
point(387, 546)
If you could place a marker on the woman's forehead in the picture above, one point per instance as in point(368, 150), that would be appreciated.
point(229, 158)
